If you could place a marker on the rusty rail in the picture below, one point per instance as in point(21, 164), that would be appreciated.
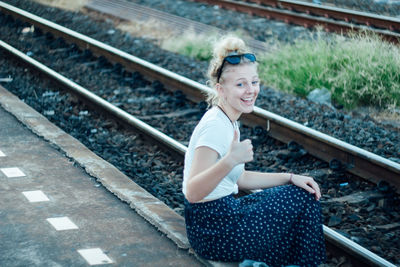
point(368, 19)
point(332, 19)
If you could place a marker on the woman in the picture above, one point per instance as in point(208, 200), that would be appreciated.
point(280, 225)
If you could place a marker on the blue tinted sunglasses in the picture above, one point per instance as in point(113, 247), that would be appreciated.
point(234, 60)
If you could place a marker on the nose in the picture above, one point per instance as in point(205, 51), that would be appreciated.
point(249, 88)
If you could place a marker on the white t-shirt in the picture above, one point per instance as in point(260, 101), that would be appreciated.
point(215, 131)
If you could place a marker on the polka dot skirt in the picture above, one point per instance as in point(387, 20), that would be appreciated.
point(279, 226)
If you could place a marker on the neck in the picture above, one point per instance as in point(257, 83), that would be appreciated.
point(229, 113)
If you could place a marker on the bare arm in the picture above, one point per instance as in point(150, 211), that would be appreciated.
point(207, 171)
point(257, 180)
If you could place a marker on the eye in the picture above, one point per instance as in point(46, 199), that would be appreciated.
point(254, 82)
point(239, 84)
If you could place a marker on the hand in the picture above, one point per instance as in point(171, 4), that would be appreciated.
point(308, 184)
point(240, 152)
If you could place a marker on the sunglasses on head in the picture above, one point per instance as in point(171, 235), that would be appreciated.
point(234, 60)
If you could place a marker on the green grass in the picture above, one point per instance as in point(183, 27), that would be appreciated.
point(192, 45)
point(359, 70)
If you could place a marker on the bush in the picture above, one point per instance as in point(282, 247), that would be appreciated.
point(360, 70)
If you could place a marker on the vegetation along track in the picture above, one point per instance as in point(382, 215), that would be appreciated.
point(310, 15)
point(171, 104)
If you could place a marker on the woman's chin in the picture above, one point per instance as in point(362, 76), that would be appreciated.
point(248, 109)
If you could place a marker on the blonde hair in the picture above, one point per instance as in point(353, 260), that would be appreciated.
point(222, 48)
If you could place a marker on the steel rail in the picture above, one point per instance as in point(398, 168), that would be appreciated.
point(334, 239)
point(123, 117)
point(301, 19)
point(356, 160)
point(369, 19)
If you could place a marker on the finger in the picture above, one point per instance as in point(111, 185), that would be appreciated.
point(317, 189)
point(246, 141)
point(249, 148)
point(314, 185)
point(309, 188)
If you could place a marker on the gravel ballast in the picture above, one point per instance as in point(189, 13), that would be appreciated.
point(123, 88)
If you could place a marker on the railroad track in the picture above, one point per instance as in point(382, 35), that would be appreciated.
point(357, 161)
point(310, 15)
point(127, 120)
point(335, 240)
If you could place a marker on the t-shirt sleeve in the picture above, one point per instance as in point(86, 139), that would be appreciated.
point(214, 135)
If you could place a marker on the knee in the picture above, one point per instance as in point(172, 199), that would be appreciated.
point(305, 196)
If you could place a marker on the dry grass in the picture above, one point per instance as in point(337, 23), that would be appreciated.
point(198, 46)
point(389, 116)
point(73, 5)
point(150, 29)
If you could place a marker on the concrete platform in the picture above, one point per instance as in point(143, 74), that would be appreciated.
point(78, 198)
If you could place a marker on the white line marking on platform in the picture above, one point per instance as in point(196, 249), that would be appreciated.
point(35, 196)
point(12, 172)
point(2, 154)
point(94, 256)
point(62, 223)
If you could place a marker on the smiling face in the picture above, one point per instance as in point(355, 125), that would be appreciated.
point(238, 89)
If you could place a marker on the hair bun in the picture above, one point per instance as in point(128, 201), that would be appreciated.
point(229, 44)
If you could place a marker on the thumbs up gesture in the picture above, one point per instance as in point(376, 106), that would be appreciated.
point(240, 152)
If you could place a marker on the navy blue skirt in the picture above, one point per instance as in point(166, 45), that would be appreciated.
point(279, 226)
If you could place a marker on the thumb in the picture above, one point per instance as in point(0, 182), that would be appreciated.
point(235, 136)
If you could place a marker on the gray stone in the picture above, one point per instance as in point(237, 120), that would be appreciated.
point(388, 227)
point(354, 217)
point(334, 220)
point(322, 96)
point(357, 198)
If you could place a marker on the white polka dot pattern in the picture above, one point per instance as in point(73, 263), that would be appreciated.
point(278, 226)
